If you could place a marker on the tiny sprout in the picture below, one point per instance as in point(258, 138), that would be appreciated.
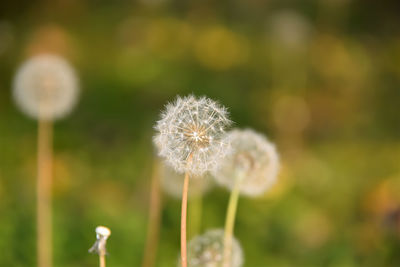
point(99, 247)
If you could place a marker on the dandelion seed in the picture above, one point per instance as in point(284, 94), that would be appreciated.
point(192, 128)
point(254, 157)
point(45, 87)
point(207, 250)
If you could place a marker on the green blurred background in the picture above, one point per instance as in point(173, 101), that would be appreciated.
point(319, 78)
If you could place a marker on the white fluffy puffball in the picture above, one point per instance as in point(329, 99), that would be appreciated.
point(190, 134)
point(253, 159)
point(45, 87)
point(207, 250)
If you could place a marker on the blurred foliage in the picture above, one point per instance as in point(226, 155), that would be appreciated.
point(320, 78)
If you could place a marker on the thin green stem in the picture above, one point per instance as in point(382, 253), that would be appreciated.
point(230, 221)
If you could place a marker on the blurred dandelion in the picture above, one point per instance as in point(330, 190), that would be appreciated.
point(290, 33)
point(253, 158)
point(290, 29)
point(99, 247)
point(207, 250)
point(45, 88)
point(250, 169)
point(190, 138)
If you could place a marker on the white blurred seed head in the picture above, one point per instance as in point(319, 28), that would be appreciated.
point(102, 232)
point(207, 250)
point(172, 183)
point(290, 29)
point(190, 132)
point(253, 158)
point(45, 87)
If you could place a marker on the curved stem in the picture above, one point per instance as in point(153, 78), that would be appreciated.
point(154, 219)
point(43, 191)
point(230, 222)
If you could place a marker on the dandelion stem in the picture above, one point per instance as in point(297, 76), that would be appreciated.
point(183, 219)
point(184, 214)
point(44, 227)
point(102, 260)
point(230, 221)
point(154, 218)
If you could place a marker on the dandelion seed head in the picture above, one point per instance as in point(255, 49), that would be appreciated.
point(207, 250)
point(102, 232)
point(172, 183)
point(45, 87)
point(252, 157)
point(190, 134)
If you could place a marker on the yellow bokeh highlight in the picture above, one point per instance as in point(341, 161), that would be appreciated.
point(282, 185)
point(313, 229)
point(219, 48)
